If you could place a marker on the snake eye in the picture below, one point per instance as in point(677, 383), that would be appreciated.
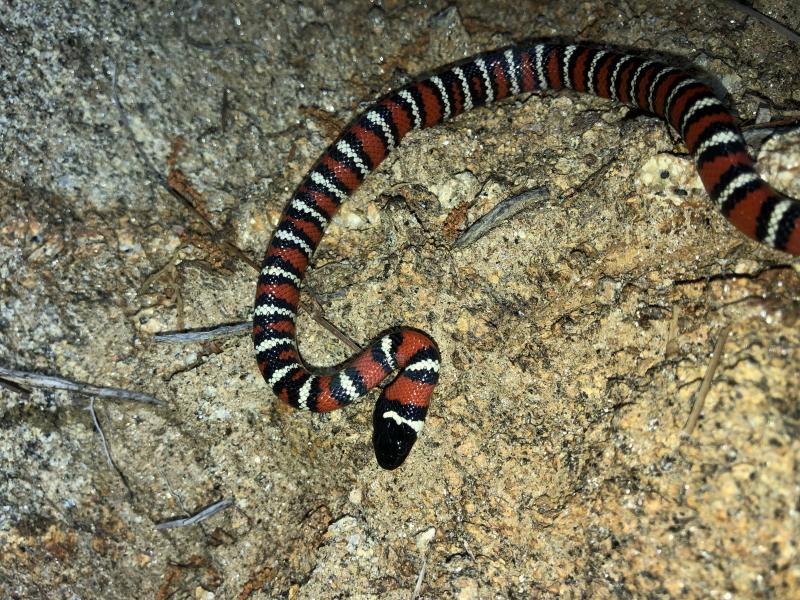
point(391, 439)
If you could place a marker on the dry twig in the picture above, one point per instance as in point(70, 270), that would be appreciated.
point(716, 357)
point(780, 28)
point(13, 387)
point(197, 517)
point(420, 579)
point(317, 313)
point(104, 443)
point(502, 211)
point(59, 383)
point(203, 335)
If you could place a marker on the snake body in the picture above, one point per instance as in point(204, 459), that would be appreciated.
point(688, 105)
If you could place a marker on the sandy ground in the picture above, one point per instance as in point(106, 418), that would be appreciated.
point(574, 336)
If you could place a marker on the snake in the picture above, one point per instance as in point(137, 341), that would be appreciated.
point(687, 104)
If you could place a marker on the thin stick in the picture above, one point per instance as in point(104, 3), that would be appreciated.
point(503, 210)
point(766, 20)
point(104, 443)
point(203, 335)
point(317, 313)
point(757, 135)
point(17, 389)
point(59, 383)
point(175, 494)
point(99, 430)
point(198, 517)
point(716, 357)
point(420, 579)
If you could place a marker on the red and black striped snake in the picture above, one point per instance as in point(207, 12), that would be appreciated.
point(689, 106)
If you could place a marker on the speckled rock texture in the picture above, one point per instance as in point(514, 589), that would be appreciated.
point(574, 336)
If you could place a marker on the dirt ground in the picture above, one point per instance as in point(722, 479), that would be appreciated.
point(574, 336)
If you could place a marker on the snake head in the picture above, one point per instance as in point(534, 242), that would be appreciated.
point(394, 430)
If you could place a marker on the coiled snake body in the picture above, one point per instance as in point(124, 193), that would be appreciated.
point(686, 104)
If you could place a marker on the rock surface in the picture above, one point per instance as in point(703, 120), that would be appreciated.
point(574, 336)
